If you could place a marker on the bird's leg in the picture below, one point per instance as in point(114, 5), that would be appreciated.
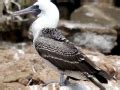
point(62, 80)
point(65, 81)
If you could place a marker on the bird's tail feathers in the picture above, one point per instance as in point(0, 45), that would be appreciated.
point(102, 76)
point(92, 69)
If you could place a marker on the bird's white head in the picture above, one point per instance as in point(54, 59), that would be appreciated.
point(44, 0)
point(47, 16)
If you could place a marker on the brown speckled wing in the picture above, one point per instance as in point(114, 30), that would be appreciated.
point(52, 46)
point(64, 55)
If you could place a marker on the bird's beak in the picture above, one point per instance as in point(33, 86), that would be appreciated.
point(32, 9)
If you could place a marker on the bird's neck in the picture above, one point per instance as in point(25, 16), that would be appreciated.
point(48, 18)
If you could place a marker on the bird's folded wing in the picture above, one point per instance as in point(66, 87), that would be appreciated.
point(64, 55)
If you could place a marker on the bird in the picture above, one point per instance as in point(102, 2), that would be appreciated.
point(58, 52)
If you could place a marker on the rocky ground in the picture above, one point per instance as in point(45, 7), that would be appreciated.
point(21, 67)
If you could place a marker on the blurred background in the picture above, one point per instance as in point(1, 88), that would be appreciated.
point(93, 25)
point(88, 23)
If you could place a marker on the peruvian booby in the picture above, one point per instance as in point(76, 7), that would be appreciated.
point(54, 47)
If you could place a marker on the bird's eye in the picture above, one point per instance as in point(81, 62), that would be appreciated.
point(36, 7)
point(37, 10)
